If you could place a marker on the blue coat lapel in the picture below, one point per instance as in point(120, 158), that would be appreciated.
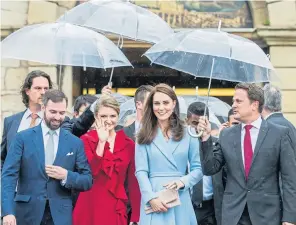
point(165, 147)
point(39, 143)
point(62, 150)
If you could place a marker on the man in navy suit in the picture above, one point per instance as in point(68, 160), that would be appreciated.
point(47, 161)
point(35, 85)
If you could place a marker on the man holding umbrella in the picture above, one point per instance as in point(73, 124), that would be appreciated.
point(254, 153)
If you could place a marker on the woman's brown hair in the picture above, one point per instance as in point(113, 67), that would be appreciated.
point(149, 126)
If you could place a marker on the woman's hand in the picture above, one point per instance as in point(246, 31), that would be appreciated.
point(177, 184)
point(102, 131)
point(158, 206)
point(132, 223)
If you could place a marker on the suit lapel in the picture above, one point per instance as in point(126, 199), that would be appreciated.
point(16, 122)
point(39, 143)
point(164, 147)
point(236, 137)
point(62, 150)
point(261, 136)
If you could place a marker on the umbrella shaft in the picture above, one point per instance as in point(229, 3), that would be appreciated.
point(209, 87)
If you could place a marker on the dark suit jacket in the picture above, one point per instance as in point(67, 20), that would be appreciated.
point(130, 131)
point(261, 191)
point(279, 119)
point(77, 127)
point(218, 189)
point(25, 163)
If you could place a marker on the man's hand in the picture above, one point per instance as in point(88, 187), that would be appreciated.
point(9, 220)
point(205, 126)
point(286, 223)
point(56, 172)
point(223, 126)
point(107, 90)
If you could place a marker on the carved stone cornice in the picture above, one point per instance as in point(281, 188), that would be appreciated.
point(278, 36)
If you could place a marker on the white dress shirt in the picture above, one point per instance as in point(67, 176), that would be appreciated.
point(26, 120)
point(56, 137)
point(254, 132)
point(45, 134)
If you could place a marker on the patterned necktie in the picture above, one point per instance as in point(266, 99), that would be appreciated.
point(34, 117)
point(49, 150)
point(248, 151)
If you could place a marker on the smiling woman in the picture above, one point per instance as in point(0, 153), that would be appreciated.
point(163, 151)
point(111, 157)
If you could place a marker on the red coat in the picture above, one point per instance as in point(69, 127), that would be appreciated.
point(105, 203)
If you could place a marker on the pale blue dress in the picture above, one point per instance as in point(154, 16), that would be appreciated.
point(163, 161)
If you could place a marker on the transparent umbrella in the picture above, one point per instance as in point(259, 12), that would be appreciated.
point(121, 18)
point(121, 99)
point(126, 109)
point(63, 44)
point(219, 108)
point(213, 54)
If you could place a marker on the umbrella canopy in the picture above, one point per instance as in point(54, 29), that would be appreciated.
point(119, 17)
point(235, 58)
point(215, 105)
point(128, 109)
point(63, 44)
point(121, 99)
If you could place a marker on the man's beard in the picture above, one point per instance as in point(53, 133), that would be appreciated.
point(49, 123)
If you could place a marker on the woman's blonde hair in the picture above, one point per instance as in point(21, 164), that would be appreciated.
point(107, 101)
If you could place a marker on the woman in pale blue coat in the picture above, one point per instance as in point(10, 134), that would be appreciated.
point(164, 149)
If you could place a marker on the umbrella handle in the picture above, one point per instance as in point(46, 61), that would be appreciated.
point(194, 135)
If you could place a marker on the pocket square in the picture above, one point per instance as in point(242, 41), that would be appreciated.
point(70, 153)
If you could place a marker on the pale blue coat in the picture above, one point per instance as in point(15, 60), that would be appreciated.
point(161, 162)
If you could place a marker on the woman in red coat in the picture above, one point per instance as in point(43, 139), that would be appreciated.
point(111, 156)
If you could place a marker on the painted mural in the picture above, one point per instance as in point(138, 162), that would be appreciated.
point(201, 14)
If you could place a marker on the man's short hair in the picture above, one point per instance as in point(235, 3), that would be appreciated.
point(141, 93)
point(272, 98)
point(255, 93)
point(230, 113)
point(83, 100)
point(55, 96)
point(197, 108)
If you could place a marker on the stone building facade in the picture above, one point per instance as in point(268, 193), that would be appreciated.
point(274, 23)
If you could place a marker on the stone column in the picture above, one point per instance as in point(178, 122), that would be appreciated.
point(280, 36)
point(15, 15)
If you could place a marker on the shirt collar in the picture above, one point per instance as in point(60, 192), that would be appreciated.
point(256, 123)
point(272, 114)
point(45, 129)
point(29, 112)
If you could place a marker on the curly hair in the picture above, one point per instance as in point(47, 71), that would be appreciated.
point(28, 84)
